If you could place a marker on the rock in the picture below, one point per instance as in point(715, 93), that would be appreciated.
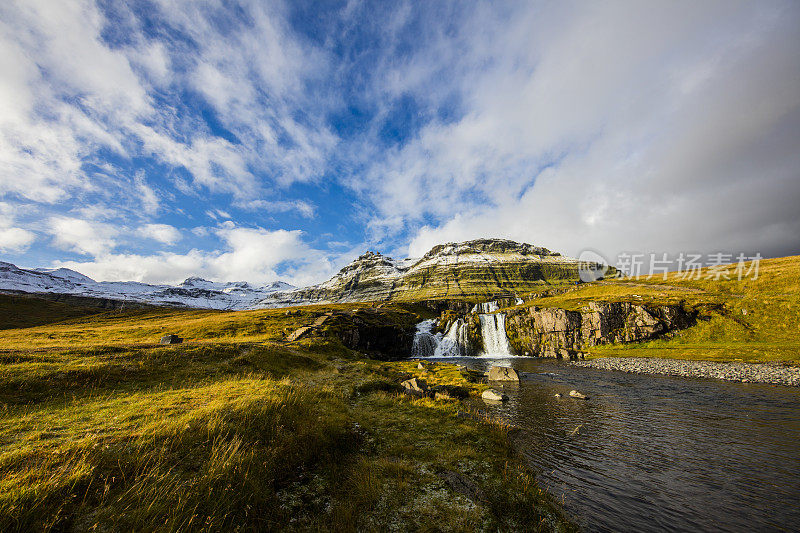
point(503, 373)
point(566, 334)
point(415, 387)
point(171, 339)
point(420, 366)
point(298, 333)
point(558, 395)
point(578, 395)
point(494, 395)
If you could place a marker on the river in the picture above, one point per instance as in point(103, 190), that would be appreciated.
point(657, 453)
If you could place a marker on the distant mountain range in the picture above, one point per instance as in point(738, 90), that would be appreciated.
point(478, 269)
point(194, 292)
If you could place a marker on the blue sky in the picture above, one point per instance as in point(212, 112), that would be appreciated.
point(260, 140)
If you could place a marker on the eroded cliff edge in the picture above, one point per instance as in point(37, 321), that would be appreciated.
point(562, 333)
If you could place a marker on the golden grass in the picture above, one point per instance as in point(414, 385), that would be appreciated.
point(100, 429)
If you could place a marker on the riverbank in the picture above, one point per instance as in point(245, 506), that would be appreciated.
point(777, 374)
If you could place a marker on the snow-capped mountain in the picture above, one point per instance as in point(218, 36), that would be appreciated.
point(193, 292)
point(478, 268)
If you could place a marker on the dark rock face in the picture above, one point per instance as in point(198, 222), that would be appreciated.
point(440, 306)
point(369, 332)
point(554, 332)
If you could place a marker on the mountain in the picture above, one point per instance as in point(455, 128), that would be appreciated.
point(471, 269)
point(193, 292)
point(478, 270)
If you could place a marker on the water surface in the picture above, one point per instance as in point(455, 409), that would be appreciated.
point(658, 453)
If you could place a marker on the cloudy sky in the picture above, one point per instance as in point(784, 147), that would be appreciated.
point(153, 140)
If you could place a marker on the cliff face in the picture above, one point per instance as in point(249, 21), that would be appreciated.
point(554, 332)
point(481, 269)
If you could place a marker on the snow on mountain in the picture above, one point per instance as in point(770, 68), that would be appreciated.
point(66, 273)
point(471, 269)
point(193, 292)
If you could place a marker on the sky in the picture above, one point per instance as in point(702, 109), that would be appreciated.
point(265, 140)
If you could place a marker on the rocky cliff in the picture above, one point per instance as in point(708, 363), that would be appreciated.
point(480, 270)
point(555, 332)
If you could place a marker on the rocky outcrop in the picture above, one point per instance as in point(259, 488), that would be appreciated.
point(384, 335)
point(555, 332)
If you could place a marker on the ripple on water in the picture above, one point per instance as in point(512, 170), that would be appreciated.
point(659, 452)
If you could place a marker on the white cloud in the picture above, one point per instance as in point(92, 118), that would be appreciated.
point(148, 196)
point(618, 126)
point(163, 233)
point(12, 238)
point(252, 254)
point(15, 239)
point(303, 208)
point(82, 236)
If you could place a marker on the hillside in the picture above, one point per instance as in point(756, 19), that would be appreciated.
point(474, 270)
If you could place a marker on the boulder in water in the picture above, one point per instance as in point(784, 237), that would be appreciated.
point(503, 373)
point(171, 339)
point(493, 395)
point(578, 395)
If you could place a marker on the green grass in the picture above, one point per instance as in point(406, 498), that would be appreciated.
point(100, 429)
point(748, 320)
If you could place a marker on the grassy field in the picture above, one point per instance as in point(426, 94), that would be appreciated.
point(23, 311)
point(750, 320)
point(101, 429)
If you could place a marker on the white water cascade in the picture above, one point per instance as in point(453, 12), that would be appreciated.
point(493, 331)
point(425, 342)
point(455, 343)
point(428, 344)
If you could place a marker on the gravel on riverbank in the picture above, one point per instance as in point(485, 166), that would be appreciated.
point(745, 372)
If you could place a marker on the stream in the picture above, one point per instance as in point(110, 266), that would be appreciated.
point(657, 453)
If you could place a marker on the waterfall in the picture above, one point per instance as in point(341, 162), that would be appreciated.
point(428, 344)
point(454, 344)
point(485, 307)
point(493, 331)
point(425, 342)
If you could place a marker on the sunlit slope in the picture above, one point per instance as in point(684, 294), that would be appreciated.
point(753, 320)
point(144, 327)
